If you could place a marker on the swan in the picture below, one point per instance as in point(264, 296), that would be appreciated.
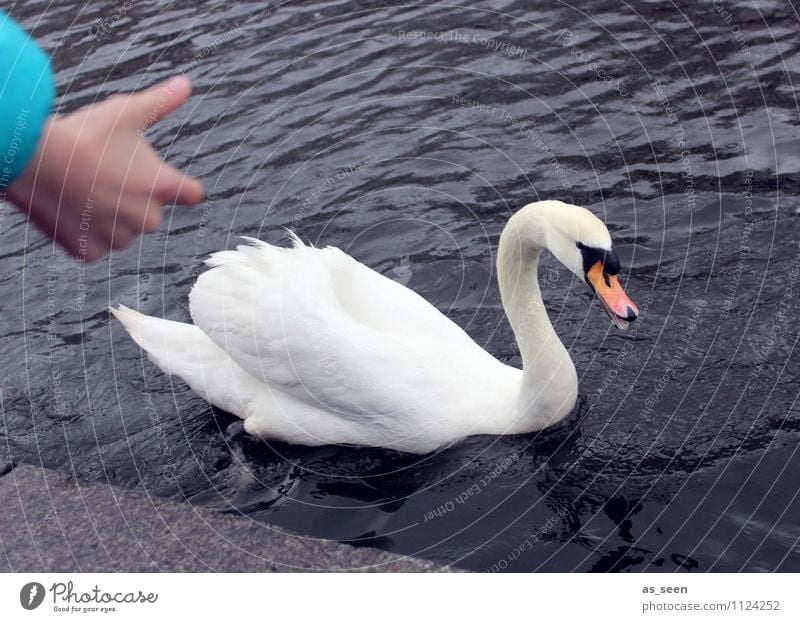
point(311, 347)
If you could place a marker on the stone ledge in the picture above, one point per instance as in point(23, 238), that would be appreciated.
point(52, 523)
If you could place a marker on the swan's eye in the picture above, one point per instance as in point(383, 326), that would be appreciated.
point(592, 255)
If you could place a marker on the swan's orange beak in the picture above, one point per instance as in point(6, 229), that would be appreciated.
point(619, 307)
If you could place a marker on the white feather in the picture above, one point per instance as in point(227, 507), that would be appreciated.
point(310, 346)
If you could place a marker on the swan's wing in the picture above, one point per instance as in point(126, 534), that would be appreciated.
point(393, 309)
point(319, 326)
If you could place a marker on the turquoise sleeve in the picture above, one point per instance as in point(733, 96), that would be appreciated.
point(27, 91)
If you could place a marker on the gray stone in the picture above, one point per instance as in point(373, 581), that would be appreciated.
point(51, 523)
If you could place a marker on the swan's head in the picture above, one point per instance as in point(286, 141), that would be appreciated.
point(580, 241)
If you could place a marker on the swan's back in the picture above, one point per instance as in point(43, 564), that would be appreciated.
point(321, 327)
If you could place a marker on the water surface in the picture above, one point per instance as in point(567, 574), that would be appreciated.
point(406, 135)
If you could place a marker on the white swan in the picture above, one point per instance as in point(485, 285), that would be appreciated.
point(310, 346)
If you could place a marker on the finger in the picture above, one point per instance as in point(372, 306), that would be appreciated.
point(153, 104)
point(152, 217)
point(122, 237)
point(172, 186)
point(138, 216)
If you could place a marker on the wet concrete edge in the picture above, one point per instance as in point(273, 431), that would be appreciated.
point(53, 523)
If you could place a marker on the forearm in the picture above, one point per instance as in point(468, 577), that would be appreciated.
point(26, 99)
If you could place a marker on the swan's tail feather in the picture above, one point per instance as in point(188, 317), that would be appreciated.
point(185, 351)
point(167, 343)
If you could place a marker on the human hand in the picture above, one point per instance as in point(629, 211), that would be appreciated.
point(95, 183)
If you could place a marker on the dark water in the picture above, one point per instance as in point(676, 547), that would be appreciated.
point(677, 123)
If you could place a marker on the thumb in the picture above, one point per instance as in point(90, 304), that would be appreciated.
point(155, 103)
point(172, 186)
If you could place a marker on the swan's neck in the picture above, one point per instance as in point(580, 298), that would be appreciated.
point(549, 382)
